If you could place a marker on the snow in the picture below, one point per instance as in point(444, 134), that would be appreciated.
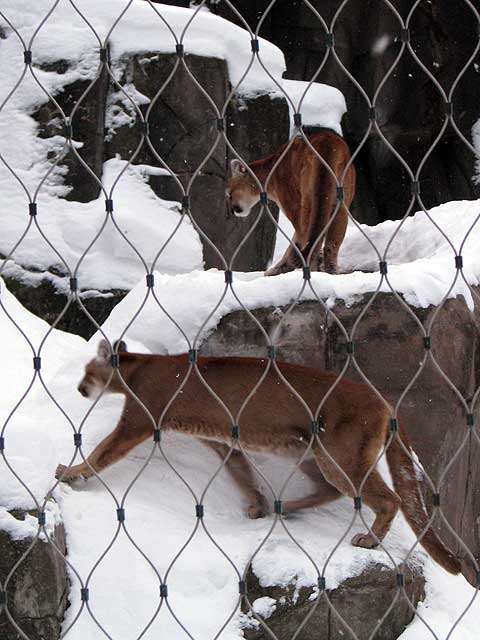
point(381, 44)
point(117, 116)
point(264, 607)
point(320, 104)
point(447, 597)
point(282, 240)
point(36, 461)
point(27, 528)
point(111, 263)
point(421, 261)
point(72, 226)
point(161, 28)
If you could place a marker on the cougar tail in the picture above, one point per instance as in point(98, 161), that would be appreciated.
point(406, 485)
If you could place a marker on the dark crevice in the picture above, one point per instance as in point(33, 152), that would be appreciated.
point(49, 618)
point(468, 482)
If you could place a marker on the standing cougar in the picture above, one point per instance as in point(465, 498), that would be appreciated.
point(356, 428)
point(306, 190)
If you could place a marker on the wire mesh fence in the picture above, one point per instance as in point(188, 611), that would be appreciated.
point(159, 546)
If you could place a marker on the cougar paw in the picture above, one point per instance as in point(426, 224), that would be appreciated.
point(255, 511)
point(62, 473)
point(365, 540)
point(258, 508)
point(332, 269)
point(274, 271)
point(65, 474)
point(290, 507)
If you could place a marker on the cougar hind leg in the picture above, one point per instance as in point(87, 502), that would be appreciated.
point(335, 235)
point(323, 494)
point(288, 262)
point(375, 494)
point(336, 231)
point(384, 503)
point(242, 473)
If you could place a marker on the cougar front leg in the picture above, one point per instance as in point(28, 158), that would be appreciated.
point(242, 473)
point(110, 450)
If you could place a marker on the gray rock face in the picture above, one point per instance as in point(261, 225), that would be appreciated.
point(410, 109)
point(183, 131)
point(388, 349)
point(47, 303)
point(88, 124)
point(37, 591)
point(361, 601)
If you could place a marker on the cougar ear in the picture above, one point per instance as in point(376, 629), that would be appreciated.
point(237, 167)
point(103, 350)
point(119, 345)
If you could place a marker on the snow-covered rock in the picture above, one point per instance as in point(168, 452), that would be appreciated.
point(202, 578)
point(361, 601)
point(37, 592)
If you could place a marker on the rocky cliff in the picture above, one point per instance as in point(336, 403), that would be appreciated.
point(410, 106)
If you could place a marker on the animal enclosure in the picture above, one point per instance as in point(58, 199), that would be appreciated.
point(120, 123)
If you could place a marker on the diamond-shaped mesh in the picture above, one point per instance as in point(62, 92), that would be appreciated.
point(164, 605)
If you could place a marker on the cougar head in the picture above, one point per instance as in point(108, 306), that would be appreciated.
point(242, 190)
point(98, 372)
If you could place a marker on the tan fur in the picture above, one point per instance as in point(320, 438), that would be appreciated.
point(356, 428)
point(303, 187)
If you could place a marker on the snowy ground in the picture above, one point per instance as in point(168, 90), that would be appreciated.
point(160, 516)
point(420, 253)
point(159, 508)
point(111, 263)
